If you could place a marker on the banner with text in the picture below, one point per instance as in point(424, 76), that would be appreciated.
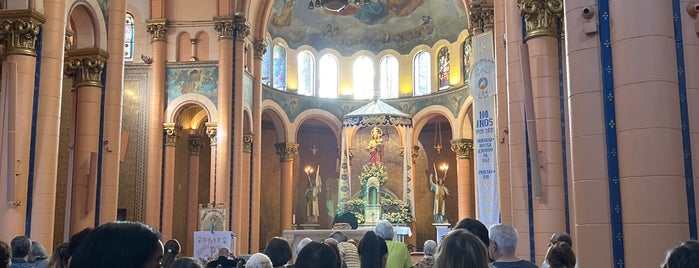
point(207, 244)
point(483, 87)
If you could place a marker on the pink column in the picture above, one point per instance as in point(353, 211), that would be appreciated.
point(224, 26)
point(260, 49)
point(651, 170)
point(244, 208)
point(690, 27)
point(466, 197)
point(112, 112)
point(85, 67)
point(171, 134)
point(501, 98)
point(19, 41)
point(211, 133)
point(287, 152)
point(591, 220)
point(195, 144)
point(157, 28)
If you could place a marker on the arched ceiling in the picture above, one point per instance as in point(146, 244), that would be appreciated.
point(383, 24)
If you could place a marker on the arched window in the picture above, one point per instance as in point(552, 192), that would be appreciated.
point(305, 73)
point(266, 64)
point(443, 67)
point(128, 37)
point(328, 78)
point(467, 60)
point(389, 77)
point(363, 71)
point(279, 67)
point(421, 74)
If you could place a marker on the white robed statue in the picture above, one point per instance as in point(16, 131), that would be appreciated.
point(314, 188)
point(440, 196)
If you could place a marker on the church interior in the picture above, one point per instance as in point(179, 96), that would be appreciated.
point(268, 118)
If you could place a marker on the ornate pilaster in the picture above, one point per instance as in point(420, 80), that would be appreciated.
point(286, 151)
point(211, 132)
point(157, 28)
point(247, 142)
point(85, 66)
point(541, 17)
point(224, 27)
point(241, 28)
point(171, 132)
point(260, 47)
point(195, 144)
point(462, 147)
point(481, 16)
point(19, 30)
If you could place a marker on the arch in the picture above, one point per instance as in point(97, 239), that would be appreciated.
point(91, 26)
point(328, 76)
point(422, 73)
point(279, 120)
point(187, 99)
point(321, 115)
point(465, 127)
point(184, 46)
point(202, 45)
point(421, 118)
point(247, 120)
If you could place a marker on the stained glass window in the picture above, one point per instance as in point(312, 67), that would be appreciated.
point(389, 77)
point(266, 65)
point(443, 67)
point(305, 73)
point(128, 37)
point(328, 76)
point(467, 60)
point(421, 73)
point(279, 67)
point(363, 71)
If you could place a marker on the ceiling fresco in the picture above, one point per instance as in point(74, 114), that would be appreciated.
point(383, 24)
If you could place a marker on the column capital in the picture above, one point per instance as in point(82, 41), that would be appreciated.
point(85, 66)
point(286, 151)
point(195, 144)
point(224, 27)
point(541, 17)
point(462, 147)
point(157, 28)
point(481, 16)
point(211, 132)
point(172, 132)
point(242, 28)
point(68, 40)
point(247, 142)
point(260, 47)
point(19, 30)
point(414, 153)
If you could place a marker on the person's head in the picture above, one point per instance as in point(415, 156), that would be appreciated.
point(376, 133)
point(59, 258)
point(302, 244)
point(76, 239)
point(258, 260)
point(5, 255)
point(562, 237)
point(460, 248)
point(372, 250)
point(186, 262)
point(476, 227)
point(120, 244)
point(279, 251)
point(223, 252)
point(384, 229)
point(339, 236)
point(560, 255)
point(430, 247)
point(503, 241)
point(38, 253)
point(172, 250)
point(21, 247)
point(318, 255)
point(686, 255)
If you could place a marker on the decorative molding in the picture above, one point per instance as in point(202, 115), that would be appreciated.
point(195, 144)
point(260, 47)
point(247, 142)
point(286, 151)
point(211, 132)
point(481, 16)
point(19, 30)
point(224, 27)
point(462, 147)
point(541, 17)
point(242, 28)
point(85, 66)
point(157, 28)
point(171, 132)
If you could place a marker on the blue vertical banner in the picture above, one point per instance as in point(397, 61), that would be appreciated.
point(483, 87)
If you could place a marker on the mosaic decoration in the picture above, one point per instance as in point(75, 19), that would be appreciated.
point(364, 27)
point(198, 79)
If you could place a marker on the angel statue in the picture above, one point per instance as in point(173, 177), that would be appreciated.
point(314, 188)
point(440, 195)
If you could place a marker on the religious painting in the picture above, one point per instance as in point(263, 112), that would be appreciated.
point(364, 26)
point(279, 67)
point(195, 80)
point(443, 67)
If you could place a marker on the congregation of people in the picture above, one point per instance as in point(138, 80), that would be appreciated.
point(469, 244)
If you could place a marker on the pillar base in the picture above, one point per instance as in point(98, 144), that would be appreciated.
point(442, 229)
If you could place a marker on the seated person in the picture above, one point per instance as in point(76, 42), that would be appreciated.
point(223, 259)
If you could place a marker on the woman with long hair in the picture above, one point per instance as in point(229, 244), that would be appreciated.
point(459, 248)
point(373, 251)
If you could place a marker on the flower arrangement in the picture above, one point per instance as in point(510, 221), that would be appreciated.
point(377, 171)
point(395, 211)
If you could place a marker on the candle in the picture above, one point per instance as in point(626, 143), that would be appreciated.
point(293, 219)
